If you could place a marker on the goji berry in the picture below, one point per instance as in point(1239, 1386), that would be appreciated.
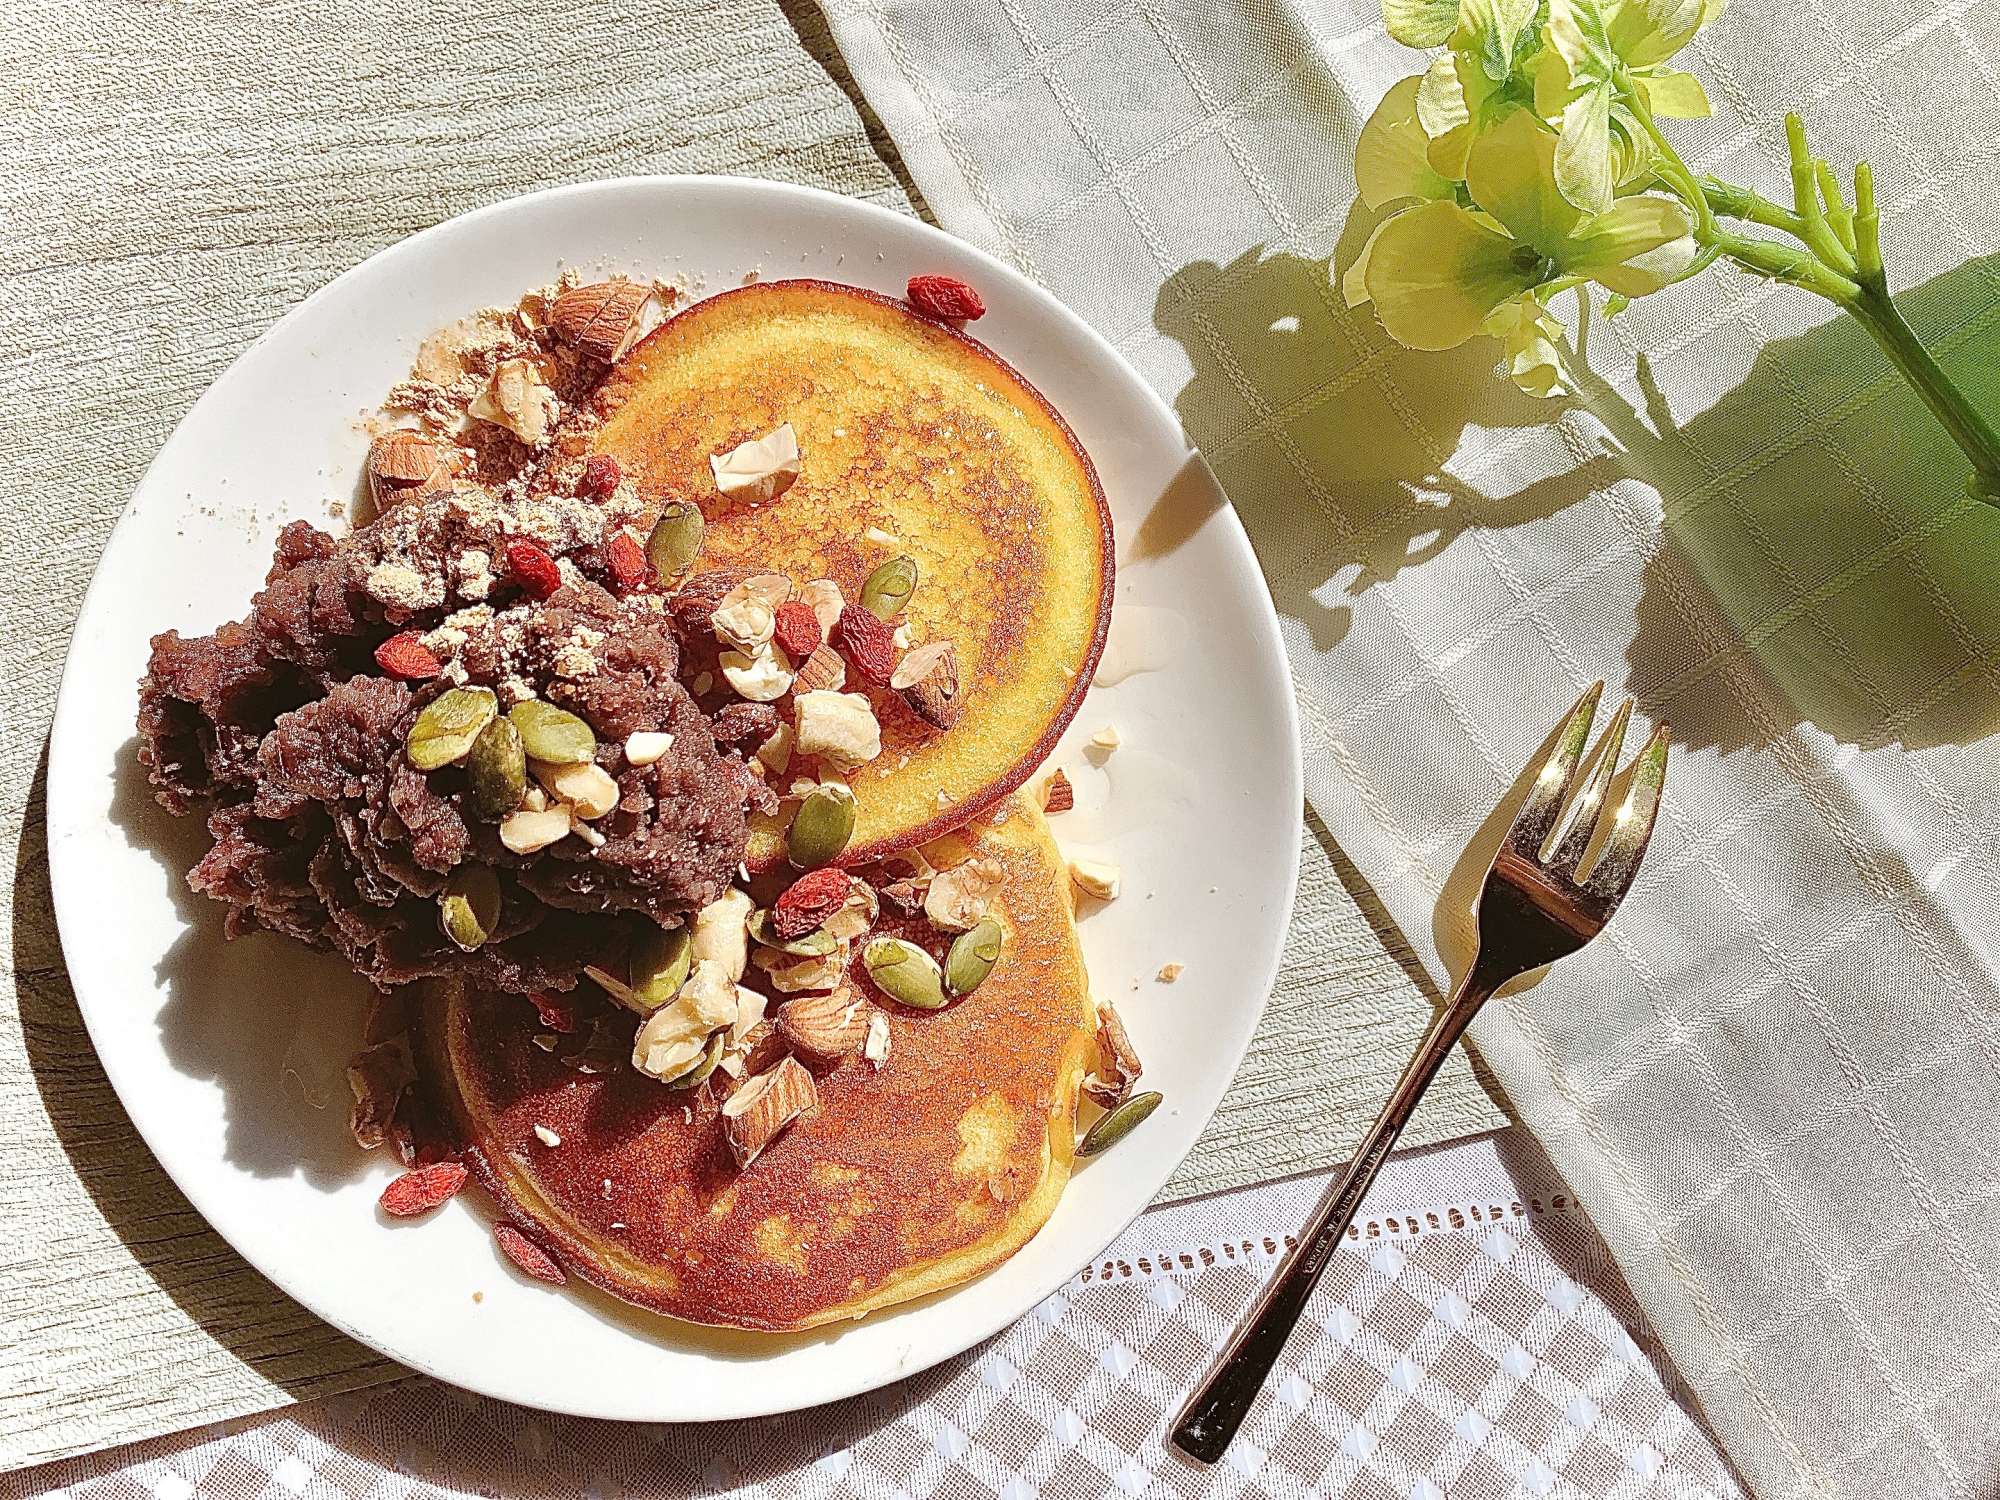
point(406, 658)
point(796, 629)
point(533, 569)
point(558, 1012)
point(529, 1256)
point(809, 901)
point(626, 560)
point(861, 637)
point(424, 1189)
point(945, 297)
point(601, 475)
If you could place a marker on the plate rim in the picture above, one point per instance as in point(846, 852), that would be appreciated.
point(64, 769)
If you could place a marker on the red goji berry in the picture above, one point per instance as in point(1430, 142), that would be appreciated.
point(809, 901)
point(796, 629)
point(533, 569)
point(861, 637)
point(406, 658)
point(424, 1189)
point(529, 1256)
point(945, 297)
point(626, 560)
point(558, 1012)
point(601, 475)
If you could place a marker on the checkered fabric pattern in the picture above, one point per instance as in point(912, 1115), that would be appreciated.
point(1776, 1080)
point(1481, 1348)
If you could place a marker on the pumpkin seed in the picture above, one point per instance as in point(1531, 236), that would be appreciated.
point(815, 944)
point(972, 957)
point(469, 907)
point(905, 973)
point(445, 730)
point(1113, 1127)
point(552, 734)
point(703, 1065)
point(676, 539)
point(497, 770)
point(824, 824)
point(661, 958)
point(889, 587)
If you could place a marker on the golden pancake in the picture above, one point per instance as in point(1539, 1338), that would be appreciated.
point(904, 1181)
point(912, 432)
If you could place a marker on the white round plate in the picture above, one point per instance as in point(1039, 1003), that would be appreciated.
point(229, 1056)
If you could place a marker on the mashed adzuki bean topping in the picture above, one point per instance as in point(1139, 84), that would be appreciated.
point(285, 729)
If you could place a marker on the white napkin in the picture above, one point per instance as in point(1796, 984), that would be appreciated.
point(1776, 1081)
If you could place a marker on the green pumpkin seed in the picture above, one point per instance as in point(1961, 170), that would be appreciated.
point(676, 539)
point(1114, 1126)
point(702, 1066)
point(972, 957)
point(445, 730)
point(552, 734)
point(496, 770)
point(469, 906)
point(661, 958)
point(815, 944)
point(824, 824)
point(905, 973)
point(889, 587)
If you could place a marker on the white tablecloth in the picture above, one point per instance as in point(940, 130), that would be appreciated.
point(1776, 1080)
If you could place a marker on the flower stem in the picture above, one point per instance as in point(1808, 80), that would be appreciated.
point(1840, 260)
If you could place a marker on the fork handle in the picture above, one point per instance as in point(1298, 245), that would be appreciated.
point(1208, 1422)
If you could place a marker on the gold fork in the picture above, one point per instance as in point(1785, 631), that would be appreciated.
point(1535, 907)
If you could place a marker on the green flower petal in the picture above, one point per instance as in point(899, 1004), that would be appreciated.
point(1637, 247)
point(1434, 273)
point(1389, 161)
point(1674, 95)
point(1583, 168)
point(1510, 173)
point(1354, 285)
point(1529, 332)
point(1420, 23)
point(1646, 32)
point(1491, 31)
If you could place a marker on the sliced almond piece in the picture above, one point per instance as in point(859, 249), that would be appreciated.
point(584, 785)
point(822, 672)
point(407, 465)
point(1057, 793)
point(957, 897)
point(827, 1026)
point(1110, 1082)
point(606, 318)
point(1096, 878)
point(645, 746)
point(525, 832)
point(518, 399)
point(757, 1113)
point(759, 470)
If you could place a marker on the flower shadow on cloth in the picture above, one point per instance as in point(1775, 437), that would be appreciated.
point(1814, 516)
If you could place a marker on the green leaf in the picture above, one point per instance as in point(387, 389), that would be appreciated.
point(1491, 31)
point(1510, 173)
point(1435, 273)
point(1389, 159)
point(1583, 166)
point(1675, 95)
point(1420, 23)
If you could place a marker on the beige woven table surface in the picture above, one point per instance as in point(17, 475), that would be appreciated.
point(171, 182)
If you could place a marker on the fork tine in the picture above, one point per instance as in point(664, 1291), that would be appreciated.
point(1632, 826)
point(1550, 788)
point(1568, 853)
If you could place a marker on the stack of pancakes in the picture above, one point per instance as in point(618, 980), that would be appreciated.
point(917, 1172)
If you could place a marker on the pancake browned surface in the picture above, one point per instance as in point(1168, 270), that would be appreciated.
point(905, 1181)
point(914, 432)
